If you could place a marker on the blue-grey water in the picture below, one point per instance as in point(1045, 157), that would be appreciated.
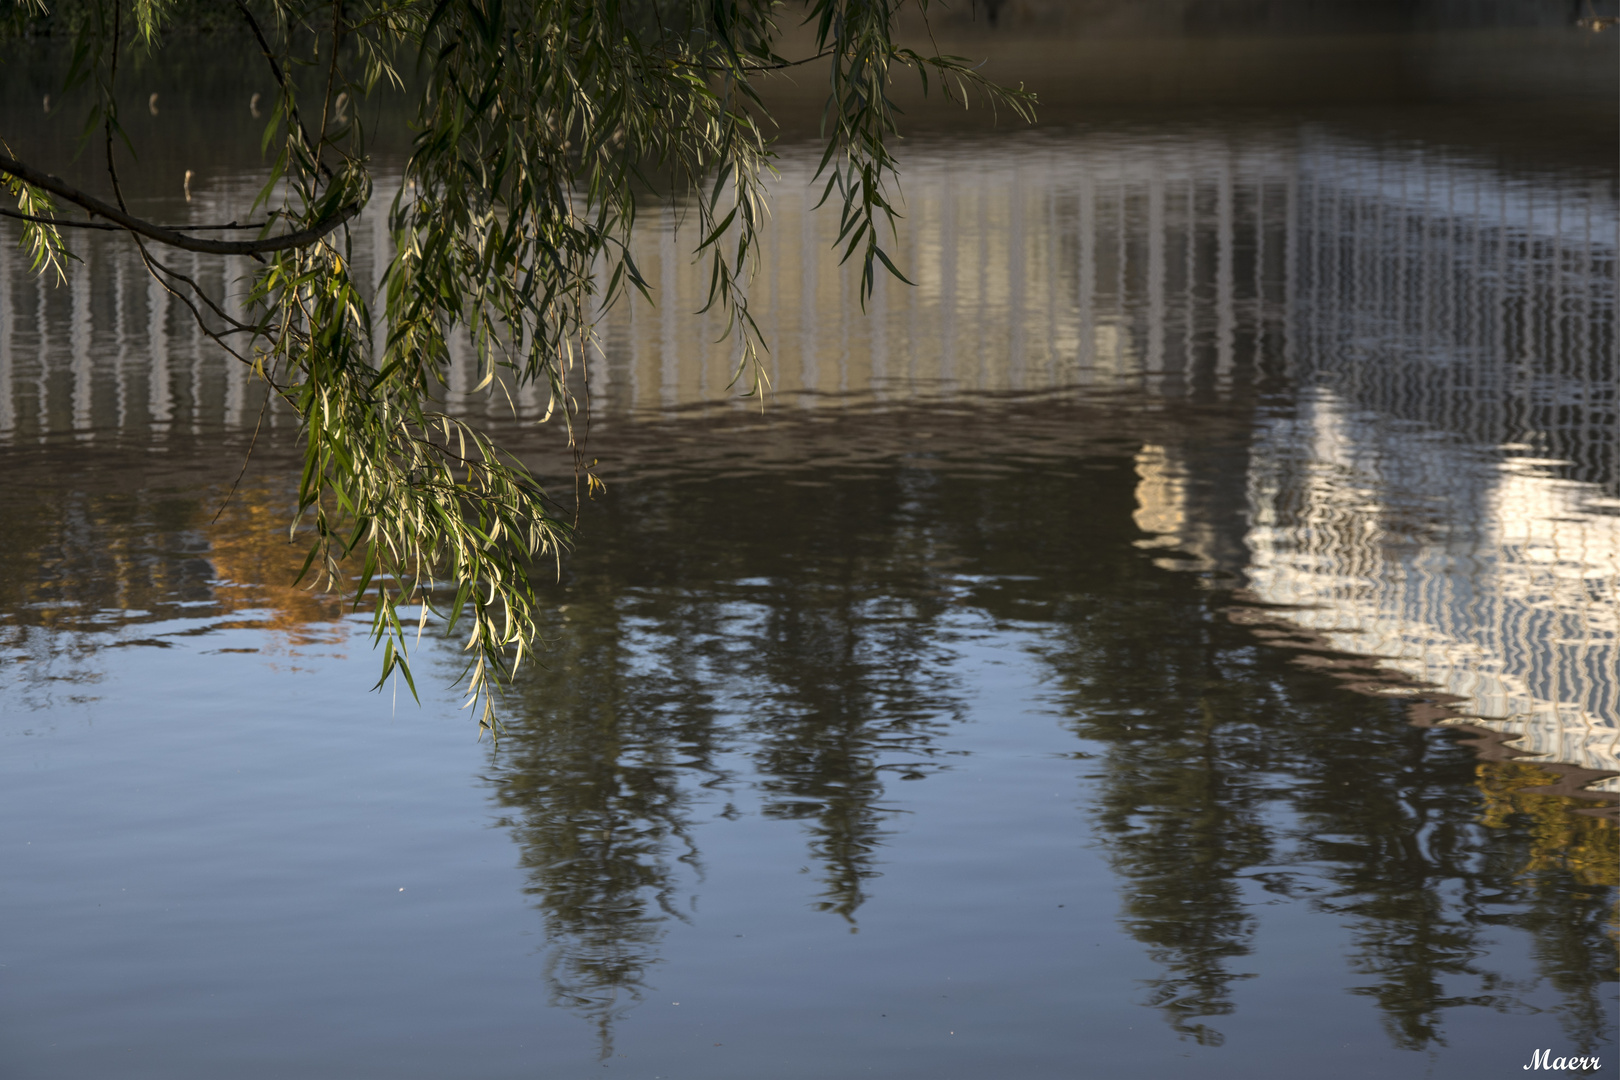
point(1052, 680)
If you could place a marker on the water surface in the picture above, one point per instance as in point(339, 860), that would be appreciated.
point(1052, 680)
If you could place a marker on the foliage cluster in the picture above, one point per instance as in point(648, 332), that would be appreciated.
point(534, 124)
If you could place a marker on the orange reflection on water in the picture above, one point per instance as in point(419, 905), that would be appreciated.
point(256, 563)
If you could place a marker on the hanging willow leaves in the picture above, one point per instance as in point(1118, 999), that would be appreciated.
point(536, 124)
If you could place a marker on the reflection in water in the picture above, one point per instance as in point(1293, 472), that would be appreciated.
point(697, 627)
point(1557, 847)
point(1443, 492)
point(1212, 796)
point(598, 808)
point(1373, 388)
point(789, 641)
point(788, 637)
point(133, 557)
point(1096, 261)
point(1491, 578)
point(1183, 261)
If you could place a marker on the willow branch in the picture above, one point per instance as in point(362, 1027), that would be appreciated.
point(65, 223)
point(281, 81)
point(56, 186)
point(753, 66)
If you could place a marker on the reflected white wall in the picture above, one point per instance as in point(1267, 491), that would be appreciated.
point(1492, 579)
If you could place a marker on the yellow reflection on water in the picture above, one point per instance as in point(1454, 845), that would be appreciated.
point(1582, 845)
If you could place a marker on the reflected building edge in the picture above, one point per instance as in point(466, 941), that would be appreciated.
point(1444, 494)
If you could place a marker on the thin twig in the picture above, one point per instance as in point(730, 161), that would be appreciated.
point(154, 265)
point(281, 81)
point(246, 458)
point(327, 110)
point(108, 117)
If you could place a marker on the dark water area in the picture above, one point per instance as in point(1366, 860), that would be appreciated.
point(892, 731)
point(1177, 637)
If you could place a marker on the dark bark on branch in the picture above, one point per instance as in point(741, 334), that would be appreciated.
point(304, 237)
point(67, 223)
point(757, 66)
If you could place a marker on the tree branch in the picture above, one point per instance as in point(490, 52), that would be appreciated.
point(303, 238)
point(281, 81)
point(753, 66)
point(64, 223)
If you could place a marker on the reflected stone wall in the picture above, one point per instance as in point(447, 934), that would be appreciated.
point(111, 350)
point(1040, 265)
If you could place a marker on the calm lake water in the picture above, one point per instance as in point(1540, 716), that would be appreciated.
point(1178, 637)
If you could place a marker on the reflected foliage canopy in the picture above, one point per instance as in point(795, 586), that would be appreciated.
point(533, 126)
point(793, 649)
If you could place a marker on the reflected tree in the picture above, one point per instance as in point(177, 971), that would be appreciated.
point(792, 639)
point(824, 639)
point(1566, 866)
point(850, 672)
point(1398, 843)
point(1186, 783)
point(679, 648)
point(595, 783)
point(104, 565)
point(1222, 781)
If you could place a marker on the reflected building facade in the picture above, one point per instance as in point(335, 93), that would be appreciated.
point(1375, 387)
point(1423, 341)
point(1441, 494)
